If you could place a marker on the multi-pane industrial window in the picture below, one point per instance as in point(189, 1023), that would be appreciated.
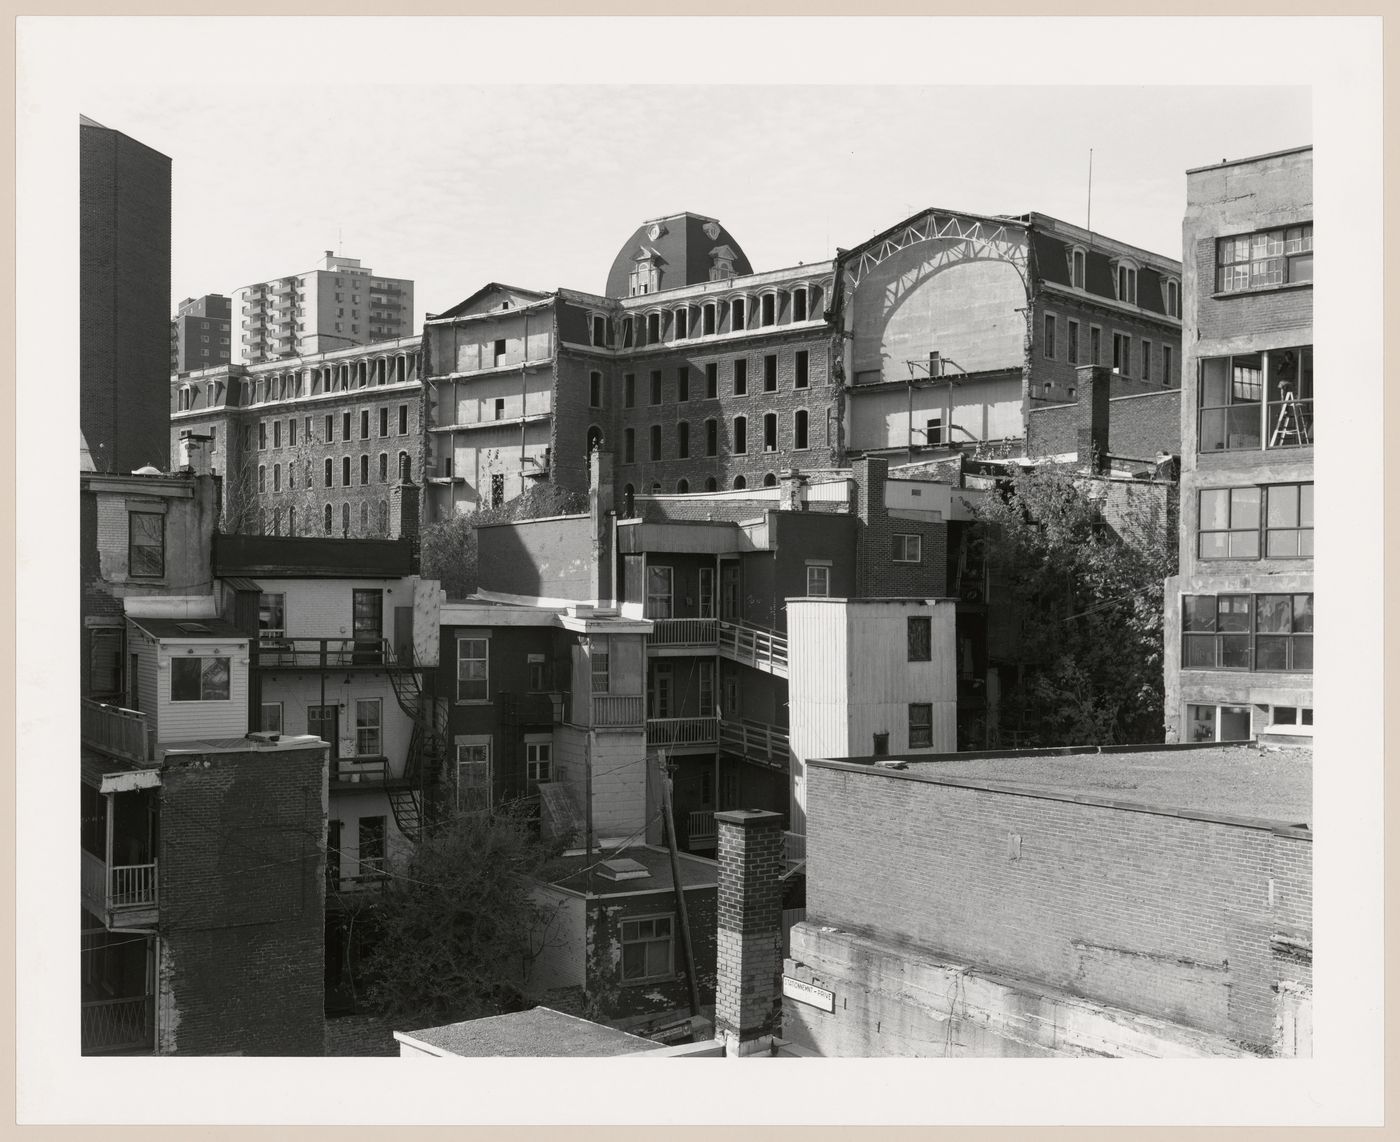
point(145, 546)
point(537, 761)
point(770, 374)
point(1265, 258)
point(712, 380)
point(907, 548)
point(920, 725)
point(818, 580)
point(629, 445)
point(920, 632)
point(199, 679)
point(1122, 354)
point(683, 439)
point(648, 946)
point(656, 386)
point(1073, 328)
point(1218, 723)
point(1232, 521)
point(472, 675)
point(682, 383)
point(598, 670)
point(800, 366)
point(741, 376)
point(369, 740)
point(371, 854)
point(711, 437)
point(799, 429)
point(1256, 400)
point(629, 389)
point(741, 435)
point(656, 442)
point(1049, 347)
point(770, 432)
point(659, 592)
point(1247, 632)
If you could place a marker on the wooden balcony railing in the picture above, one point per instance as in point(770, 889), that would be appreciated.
point(118, 1025)
point(131, 886)
point(113, 730)
point(794, 848)
point(324, 654)
point(702, 826)
point(756, 741)
point(684, 632)
point(682, 731)
point(619, 710)
point(754, 646)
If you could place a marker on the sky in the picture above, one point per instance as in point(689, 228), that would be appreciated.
point(539, 186)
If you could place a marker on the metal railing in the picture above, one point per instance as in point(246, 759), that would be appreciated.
point(684, 632)
point(112, 729)
point(118, 1024)
point(756, 741)
point(794, 848)
point(619, 710)
point(682, 731)
point(754, 646)
point(131, 885)
point(702, 826)
point(323, 653)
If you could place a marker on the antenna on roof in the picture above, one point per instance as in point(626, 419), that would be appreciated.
point(1089, 204)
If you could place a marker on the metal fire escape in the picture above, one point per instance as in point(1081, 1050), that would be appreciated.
point(414, 798)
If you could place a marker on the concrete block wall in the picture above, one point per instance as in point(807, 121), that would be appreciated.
point(1163, 915)
point(242, 903)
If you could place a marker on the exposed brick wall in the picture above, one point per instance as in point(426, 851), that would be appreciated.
point(124, 300)
point(1168, 916)
point(877, 574)
point(242, 903)
point(620, 1000)
point(1138, 426)
point(748, 995)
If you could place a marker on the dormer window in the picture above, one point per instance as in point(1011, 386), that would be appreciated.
point(682, 323)
point(723, 263)
point(645, 277)
point(1077, 258)
point(1125, 277)
point(653, 328)
point(799, 304)
point(1172, 299)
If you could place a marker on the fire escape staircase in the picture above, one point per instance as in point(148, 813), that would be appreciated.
point(411, 796)
point(755, 646)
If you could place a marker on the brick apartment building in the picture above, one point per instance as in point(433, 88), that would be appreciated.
point(335, 305)
point(945, 332)
point(308, 446)
point(1239, 617)
point(123, 308)
point(1151, 903)
point(200, 334)
point(202, 849)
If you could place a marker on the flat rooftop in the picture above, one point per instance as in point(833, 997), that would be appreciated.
point(1245, 783)
point(696, 872)
point(540, 1032)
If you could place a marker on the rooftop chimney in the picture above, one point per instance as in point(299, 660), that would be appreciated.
point(1091, 417)
point(748, 988)
point(194, 452)
point(792, 497)
point(601, 514)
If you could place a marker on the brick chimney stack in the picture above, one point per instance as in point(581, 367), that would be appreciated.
point(601, 513)
point(791, 484)
point(1091, 416)
point(403, 511)
point(749, 969)
point(194, 452)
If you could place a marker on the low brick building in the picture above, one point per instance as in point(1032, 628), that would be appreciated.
point(1149, 902)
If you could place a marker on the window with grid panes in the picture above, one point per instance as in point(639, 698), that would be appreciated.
point(648, 946)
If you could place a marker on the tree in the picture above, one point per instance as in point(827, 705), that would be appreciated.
point(457, 930)
point(448, 548)
point(1081, 563)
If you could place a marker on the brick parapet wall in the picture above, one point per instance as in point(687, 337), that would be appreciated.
point(242, 903)
point(1138, 426)
point(1165, 915)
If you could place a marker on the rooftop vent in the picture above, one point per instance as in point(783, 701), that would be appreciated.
point(623, 868)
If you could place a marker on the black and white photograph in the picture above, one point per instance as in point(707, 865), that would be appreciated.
point(699, 538)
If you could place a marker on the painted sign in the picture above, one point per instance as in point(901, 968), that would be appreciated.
point(807, 993)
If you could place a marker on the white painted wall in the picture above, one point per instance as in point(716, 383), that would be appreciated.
point(194, 721)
